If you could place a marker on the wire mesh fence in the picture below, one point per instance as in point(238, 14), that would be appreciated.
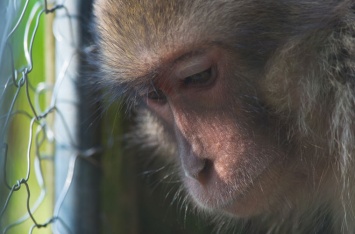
point(38, 108)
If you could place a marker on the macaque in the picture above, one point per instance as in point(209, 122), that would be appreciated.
point(252, 101)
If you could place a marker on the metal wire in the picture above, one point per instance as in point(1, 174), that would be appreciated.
point(28, 182)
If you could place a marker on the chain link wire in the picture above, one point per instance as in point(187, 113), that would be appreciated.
point(28, 103)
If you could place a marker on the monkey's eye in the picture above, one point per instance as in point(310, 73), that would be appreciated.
point(196, 72)
point(203, 78)
point(157, 95)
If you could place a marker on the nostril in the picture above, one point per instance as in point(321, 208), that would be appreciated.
point(193, 167)
point(204, 174)
point(197, 168)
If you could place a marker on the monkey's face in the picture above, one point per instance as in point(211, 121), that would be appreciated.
point(227, 151)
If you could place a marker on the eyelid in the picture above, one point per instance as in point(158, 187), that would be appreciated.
point(192, 67)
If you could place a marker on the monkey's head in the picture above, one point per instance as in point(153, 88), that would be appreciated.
point(242, 95)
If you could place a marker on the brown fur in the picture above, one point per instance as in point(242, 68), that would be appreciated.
point(276, 134)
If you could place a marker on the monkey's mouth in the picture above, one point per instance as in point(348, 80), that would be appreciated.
point(211, 196)
point(212, 192)
point(232, 193)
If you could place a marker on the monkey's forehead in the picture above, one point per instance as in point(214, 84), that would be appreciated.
point(136, 36)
